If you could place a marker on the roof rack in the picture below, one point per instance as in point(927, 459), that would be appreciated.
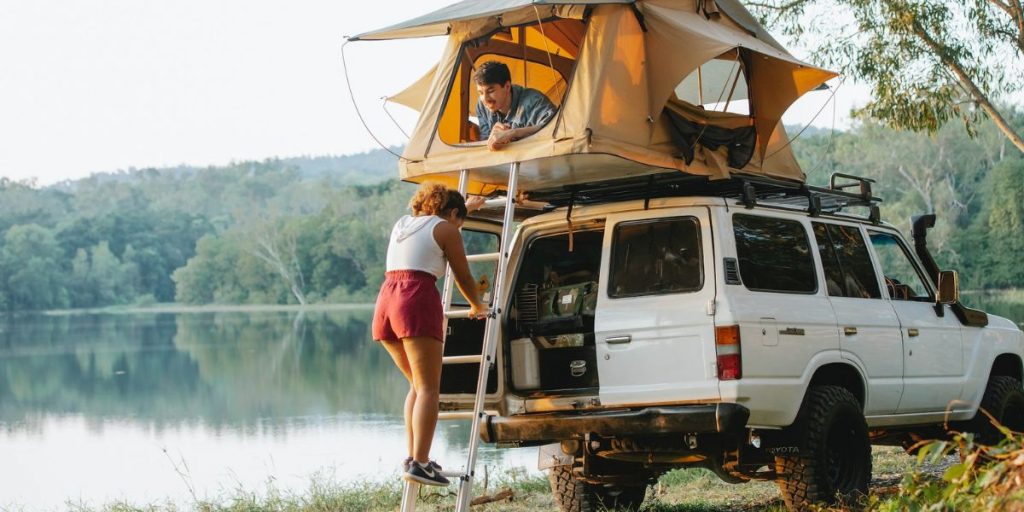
point(748, 190)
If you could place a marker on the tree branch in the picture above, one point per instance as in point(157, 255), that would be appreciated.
point(968, 83)
point(1002, 6)
point(779, 8)
point(1015, 9)
point(921, 191)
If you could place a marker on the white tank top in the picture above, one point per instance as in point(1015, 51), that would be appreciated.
point(412, 246)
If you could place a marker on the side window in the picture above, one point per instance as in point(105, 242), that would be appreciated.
point(846, 262)
point(774, 255)
point(902, 280)
point(478, 242)
point(656, 257)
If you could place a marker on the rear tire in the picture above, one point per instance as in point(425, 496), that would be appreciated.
point(1004, 400)
point(574, 495)
point(833, 460)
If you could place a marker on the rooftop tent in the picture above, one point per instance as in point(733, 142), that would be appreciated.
point(692, 85)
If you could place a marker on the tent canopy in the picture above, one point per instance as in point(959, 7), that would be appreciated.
point(643, 86)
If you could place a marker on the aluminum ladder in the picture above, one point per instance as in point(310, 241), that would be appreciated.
point(486, 358)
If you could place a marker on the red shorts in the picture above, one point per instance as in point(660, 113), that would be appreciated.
point(408, 305)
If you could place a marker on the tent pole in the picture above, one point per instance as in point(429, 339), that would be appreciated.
point(700, 86)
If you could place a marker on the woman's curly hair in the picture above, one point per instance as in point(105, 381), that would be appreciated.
point(437, 199)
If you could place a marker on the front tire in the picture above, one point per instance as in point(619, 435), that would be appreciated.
point(574, 495)
point(1004, 400)
point(832, 463)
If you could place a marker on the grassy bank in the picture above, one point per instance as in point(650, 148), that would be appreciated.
point(678, 491)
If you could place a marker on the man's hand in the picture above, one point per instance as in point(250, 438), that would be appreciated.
point(474, 203)
point(501, 135)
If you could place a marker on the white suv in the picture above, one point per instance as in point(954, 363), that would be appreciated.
point(753, 329)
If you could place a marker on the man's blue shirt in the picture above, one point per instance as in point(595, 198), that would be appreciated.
point(529, 107)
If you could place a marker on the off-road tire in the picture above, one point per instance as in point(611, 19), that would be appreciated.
point(573, 495)
point(1004, 400)
point(832, 463)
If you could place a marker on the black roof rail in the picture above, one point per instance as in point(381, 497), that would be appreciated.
point(749, 191)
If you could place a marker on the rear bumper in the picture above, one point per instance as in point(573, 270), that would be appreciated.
point(697, 419)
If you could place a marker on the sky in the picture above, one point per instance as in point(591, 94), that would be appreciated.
point(104, 85)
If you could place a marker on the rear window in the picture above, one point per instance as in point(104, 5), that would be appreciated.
point(774, 255)
point(654, 257)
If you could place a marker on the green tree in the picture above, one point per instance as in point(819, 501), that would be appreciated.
point(30, 262)
point(928, 61)
point(999, 231)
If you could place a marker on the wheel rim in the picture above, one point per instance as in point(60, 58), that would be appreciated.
point(842, 456)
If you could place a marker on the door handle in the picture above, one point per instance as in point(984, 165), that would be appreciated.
point(912, 333)
point(849, 331)
point(618, 340)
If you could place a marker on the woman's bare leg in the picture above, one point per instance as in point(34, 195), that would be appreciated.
point(397, 350)
point(424, 355)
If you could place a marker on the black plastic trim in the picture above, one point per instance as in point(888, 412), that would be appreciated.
point(921, 224)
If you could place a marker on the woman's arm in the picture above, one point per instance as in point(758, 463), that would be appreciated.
point(450, 241)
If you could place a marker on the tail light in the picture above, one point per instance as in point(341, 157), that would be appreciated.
point(727, 347)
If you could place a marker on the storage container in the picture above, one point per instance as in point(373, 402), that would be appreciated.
point(525, 364)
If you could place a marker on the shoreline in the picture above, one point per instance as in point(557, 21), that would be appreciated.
point(205, 308)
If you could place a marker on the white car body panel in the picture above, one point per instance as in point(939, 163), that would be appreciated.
point(786, 338)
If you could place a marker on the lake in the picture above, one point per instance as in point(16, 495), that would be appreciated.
point(147, 407)
point(150, 407)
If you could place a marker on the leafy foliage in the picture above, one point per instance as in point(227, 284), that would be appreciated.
point(987, 478)
point(928, 61)
point(118, 238)
point(277, 232)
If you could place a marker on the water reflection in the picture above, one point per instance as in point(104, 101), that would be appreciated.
point(109, 406)
point(100, 407)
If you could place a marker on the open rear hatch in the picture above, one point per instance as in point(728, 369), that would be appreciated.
point(551, 324)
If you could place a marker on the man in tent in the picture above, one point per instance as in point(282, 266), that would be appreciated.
point(507, 112)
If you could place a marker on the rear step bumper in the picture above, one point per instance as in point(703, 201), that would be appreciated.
point(724, 417)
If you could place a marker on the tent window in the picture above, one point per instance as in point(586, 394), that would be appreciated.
point(539, 56)
point(717, 85)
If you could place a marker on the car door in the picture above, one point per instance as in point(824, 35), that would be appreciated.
point(654, 330)
point(869, 330)
point(932, 338)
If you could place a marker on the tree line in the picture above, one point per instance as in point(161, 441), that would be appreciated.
point(312, 230)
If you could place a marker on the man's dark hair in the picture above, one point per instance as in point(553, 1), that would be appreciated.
point(492, 72)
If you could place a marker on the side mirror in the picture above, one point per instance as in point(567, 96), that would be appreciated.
point(949, 287)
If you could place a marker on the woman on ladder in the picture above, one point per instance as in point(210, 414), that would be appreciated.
point(408, 319)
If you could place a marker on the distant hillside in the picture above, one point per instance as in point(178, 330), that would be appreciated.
point(366, 168)
point(315, 228)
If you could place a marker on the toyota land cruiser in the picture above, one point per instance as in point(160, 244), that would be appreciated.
point(762, 332)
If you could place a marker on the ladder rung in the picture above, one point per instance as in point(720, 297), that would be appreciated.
point(461, 415)
point(462, 359)
point(457, 313)
point(497, 202)
point(487, 256)
point(453, 474)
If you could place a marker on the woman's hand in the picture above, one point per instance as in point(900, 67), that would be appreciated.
point(477, 311)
